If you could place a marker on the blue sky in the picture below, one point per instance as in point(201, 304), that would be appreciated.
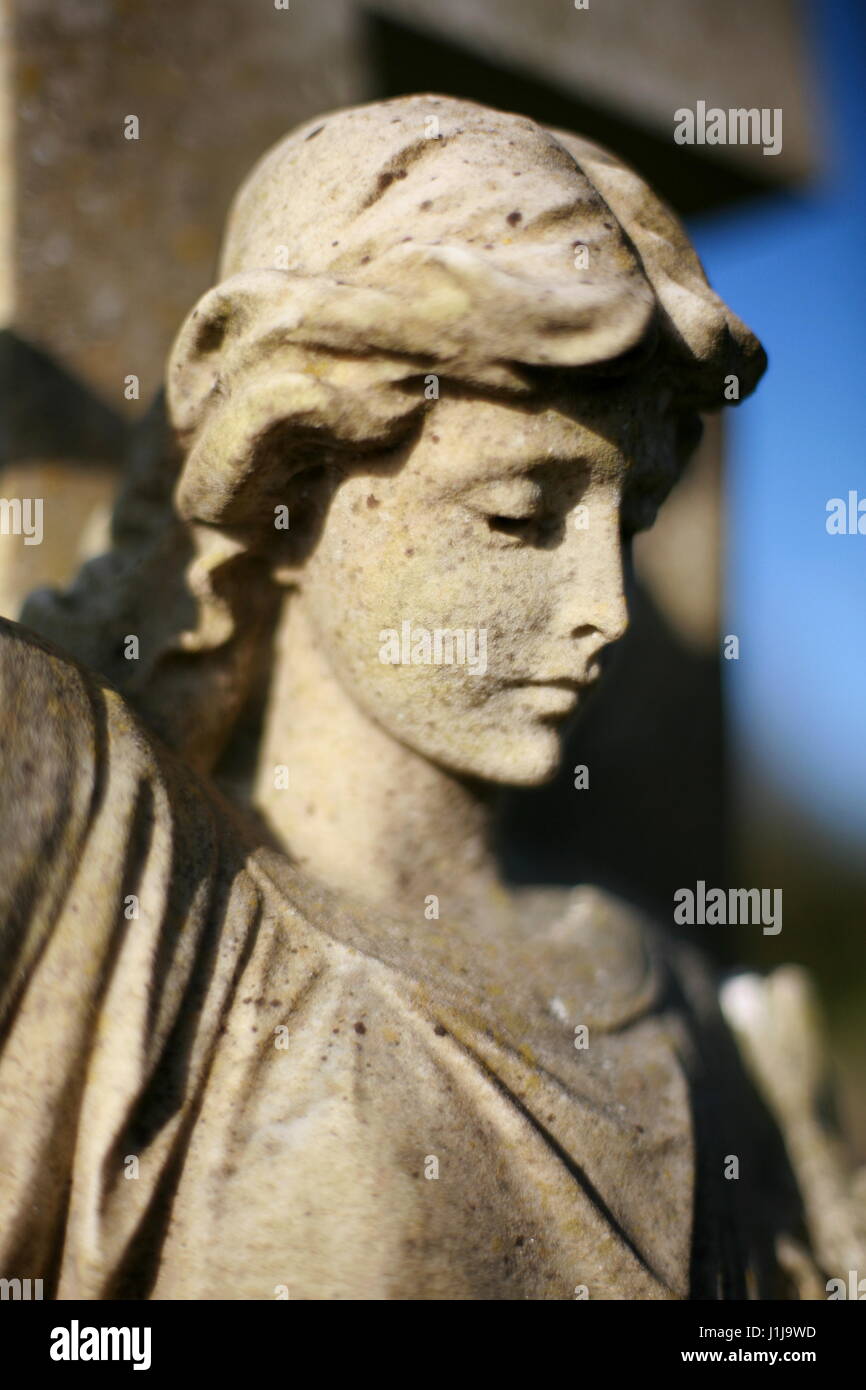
point(795, 269)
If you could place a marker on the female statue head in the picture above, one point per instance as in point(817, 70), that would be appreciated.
point(453, 360)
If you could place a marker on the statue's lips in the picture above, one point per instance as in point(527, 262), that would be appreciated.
point(556, 696)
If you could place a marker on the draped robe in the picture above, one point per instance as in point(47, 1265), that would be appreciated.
point(218, 1082)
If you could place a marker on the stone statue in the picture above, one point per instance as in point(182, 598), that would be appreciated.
point(272, 1025)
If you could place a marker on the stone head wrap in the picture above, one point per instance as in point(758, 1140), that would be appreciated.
point(428, 234)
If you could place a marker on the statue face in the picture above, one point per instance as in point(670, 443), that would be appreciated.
point(463, 595)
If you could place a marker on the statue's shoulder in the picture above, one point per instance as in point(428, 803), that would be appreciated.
point(602, 956)
point(60, 726)
point(598, 920)
point(85, 786)
point(32, 670)
point(61, 722)
point(750, 1060)
point(49, 736)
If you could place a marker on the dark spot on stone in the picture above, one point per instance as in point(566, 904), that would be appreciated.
point(212, 332)
point(413, 1175)
point(275, 1003)
point(440, 1031)
point(519, 1240)
point(359, 1027)
point(402, 173)
point(426, 205)
point(488, 246)
point(386, 178)
point(365, 260)
point(335, 1030)
point(410, 551)
point(248, 1000)
point(372, 501)
point(513, 218)
point(335, 243)
point(435, 438)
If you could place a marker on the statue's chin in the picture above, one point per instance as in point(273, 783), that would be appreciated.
point(525, 761)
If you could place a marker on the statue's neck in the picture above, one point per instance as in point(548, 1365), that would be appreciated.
point(356, 808)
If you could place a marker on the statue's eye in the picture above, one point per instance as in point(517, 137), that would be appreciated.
point(536, 528)
point(511, 508)
point(513, 525)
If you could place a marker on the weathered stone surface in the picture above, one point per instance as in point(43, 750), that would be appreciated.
point(320, 1013)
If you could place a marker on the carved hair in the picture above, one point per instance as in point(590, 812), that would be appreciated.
point(371, 249)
